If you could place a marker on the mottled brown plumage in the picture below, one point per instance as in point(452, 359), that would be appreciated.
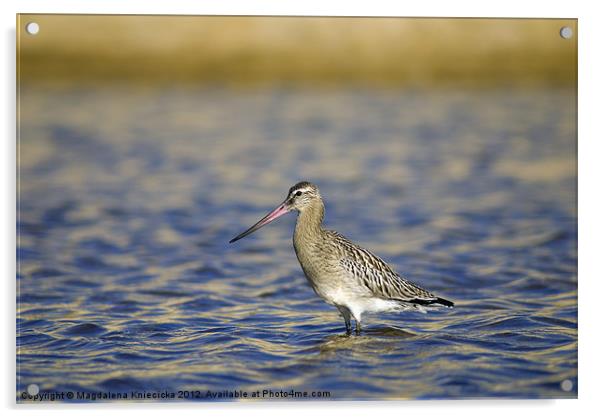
point(342, 273)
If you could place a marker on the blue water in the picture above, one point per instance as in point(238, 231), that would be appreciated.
point(128, 197)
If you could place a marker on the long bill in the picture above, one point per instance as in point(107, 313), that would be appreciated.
point(273, 215)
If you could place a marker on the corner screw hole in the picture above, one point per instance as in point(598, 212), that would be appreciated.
point(33, 389)
point(32, 28)
point(566, 32)
point(566, 385)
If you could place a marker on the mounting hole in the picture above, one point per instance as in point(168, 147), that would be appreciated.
point(32, 28)
point(566, 385)
point(566, 32)
point(33, 389)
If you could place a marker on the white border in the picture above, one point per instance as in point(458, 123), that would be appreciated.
point(590, 71)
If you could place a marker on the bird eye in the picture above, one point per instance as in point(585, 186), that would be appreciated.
point(299, 192)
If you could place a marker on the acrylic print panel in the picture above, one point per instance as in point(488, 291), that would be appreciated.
point(445, 147)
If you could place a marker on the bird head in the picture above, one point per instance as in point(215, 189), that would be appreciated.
point(300, 197)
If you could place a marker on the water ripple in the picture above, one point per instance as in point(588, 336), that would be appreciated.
point(126, 281)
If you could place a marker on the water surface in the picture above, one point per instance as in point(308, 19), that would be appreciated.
point(128, 197)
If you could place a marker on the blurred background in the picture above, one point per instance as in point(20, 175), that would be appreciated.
point(446, 146)
point(296, 50)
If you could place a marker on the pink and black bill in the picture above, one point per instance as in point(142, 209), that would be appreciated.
point(273, 215)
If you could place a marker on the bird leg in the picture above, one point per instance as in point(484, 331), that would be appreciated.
point(358, 327)
point(348, 326)
point(347, 316)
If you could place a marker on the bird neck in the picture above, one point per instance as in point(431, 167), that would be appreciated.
point(309, 221)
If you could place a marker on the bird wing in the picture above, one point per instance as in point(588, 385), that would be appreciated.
point(373, 273)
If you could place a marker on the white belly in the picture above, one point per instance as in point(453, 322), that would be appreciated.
point(356, 303)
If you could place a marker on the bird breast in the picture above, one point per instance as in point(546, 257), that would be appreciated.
point(321, 265)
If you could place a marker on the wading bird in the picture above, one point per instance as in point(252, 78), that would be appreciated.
point(340, 272)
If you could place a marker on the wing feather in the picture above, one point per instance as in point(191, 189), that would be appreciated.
point(374, 274)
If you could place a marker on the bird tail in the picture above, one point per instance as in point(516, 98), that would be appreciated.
point(428, 302)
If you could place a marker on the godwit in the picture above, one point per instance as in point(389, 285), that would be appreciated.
point(340, 272)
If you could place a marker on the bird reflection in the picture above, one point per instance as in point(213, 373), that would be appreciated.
point(380, 339)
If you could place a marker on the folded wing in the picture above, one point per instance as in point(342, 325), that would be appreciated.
point(383, 282)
